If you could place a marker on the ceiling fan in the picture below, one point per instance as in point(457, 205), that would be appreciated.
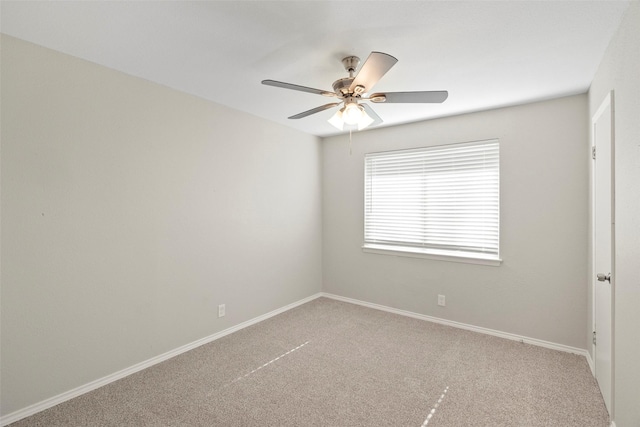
point(352, 90)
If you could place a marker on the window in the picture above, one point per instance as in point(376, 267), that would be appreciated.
point(438, 202)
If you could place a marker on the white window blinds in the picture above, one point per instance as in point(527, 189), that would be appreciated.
point(442, 200)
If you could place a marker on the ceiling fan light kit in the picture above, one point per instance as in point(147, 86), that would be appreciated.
point(353, 90)
point(352, 116)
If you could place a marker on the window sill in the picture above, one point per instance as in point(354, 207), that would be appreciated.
point(441, 255)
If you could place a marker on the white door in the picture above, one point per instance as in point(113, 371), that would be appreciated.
point(603, 222)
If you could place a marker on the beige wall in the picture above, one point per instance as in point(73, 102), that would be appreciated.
point(620, 72)
point(129, 212)
point(540, 290)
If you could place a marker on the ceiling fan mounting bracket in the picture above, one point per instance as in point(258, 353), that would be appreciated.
point(350, 64)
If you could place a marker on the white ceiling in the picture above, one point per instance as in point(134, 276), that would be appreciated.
point(486, 54)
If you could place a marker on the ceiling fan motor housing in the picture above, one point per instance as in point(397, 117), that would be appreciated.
point(341, 86)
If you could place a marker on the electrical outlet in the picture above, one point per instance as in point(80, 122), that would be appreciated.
point(221, 310)
point(441, 300)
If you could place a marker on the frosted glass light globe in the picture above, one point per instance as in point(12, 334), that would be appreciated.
point(352, 114)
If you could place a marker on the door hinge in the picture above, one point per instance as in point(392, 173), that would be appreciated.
point(593, 152)
point(594, 337)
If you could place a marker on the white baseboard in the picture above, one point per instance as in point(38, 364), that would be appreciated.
point(63, 397)
point(592, 366)
point(507, 335)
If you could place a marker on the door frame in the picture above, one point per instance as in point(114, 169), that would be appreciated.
point(607, 101)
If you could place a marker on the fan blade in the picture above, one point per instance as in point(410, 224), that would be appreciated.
point(376, 119)
point(376, 66)
point(314, 110)
point(297, 87)
point(437, 96)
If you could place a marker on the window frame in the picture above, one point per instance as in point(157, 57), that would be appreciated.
point(453, 255)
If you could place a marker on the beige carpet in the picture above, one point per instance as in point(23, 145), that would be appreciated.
point(329, 363)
